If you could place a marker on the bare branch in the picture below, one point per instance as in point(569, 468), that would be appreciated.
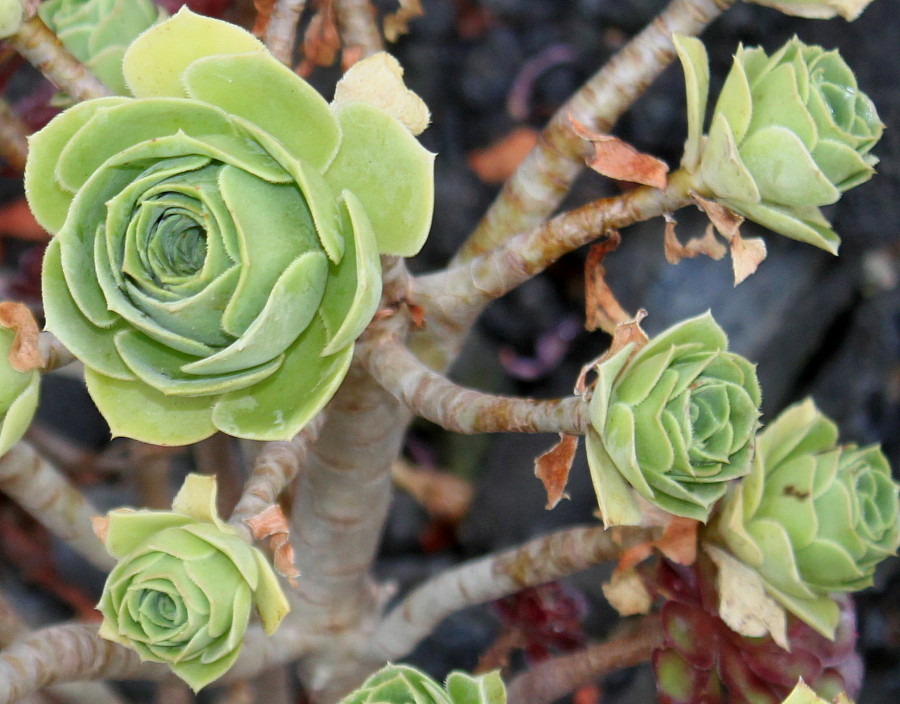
point(281, 32)
point(13, 138)
point(42, 48)
point(39, 488)
point(359, 30)
point(275, 468)
point(457, 408)
point(544, 177)
point(492, 577)
point(559, 676)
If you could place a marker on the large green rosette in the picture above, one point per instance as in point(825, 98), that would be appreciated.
point(218, 235)
point(401, 684)
point(674, 423)
point(789, 133)
point(18, 395)
point(98, 32)
point(813, 517)
point(185, 585)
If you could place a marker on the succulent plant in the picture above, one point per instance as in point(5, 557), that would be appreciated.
point(703, 660)
point(217, 237)
point(18, 394)
point(185, 584)
point(813, 517)
point(98, 32)
point(789, 133)
point(10, 17)
point(401, 684)
point(818, 9)
point(674, 422)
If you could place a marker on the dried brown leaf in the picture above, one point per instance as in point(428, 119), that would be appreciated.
point(396, 23)
point(270, 524)
point(601, 308)
point(626, 593)
point(708, 244)
point(497, 162)
point(629, 332)
point(678, 541)
point(321, 42)
point(746, 253)
point(100, 524)
point(619, 160)
point(263, 13)
point(441, 494)
point(24, 354)
point(552, 468)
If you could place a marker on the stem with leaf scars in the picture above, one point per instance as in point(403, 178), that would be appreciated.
point(358, 28)
point(39, 488)
point(13, 138)
point(281, 32)
point(492, 577)
point(459, 409)
point(559, 676)
point(274, 469)
point(75, 652)
point(543, 178)
point(454, 297)
point(37, 43)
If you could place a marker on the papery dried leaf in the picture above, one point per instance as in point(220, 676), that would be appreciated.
point(396, 23)
point(271, 525)
point(441, 494)
point(497, 161)
point(626, 593)
point(23, 354)
point(746, 253)
point(708, 244)
point(552, 468)
point(601, 308)
point(263, 13)
point(679, 540)
point(619, 160)
point(629, 332)
point(743, 602)
point(322, 42)
point(99, 524)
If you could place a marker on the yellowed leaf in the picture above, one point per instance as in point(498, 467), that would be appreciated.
point(619, 160)
point(743, 602)
point(24, 354)
point(396, 23)
point(552, 468)
point(626, 593)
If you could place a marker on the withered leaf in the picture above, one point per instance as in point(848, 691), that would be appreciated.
point(552, 468)
point(601, 308)
point(441, 494)
point(321, 42)
point(263, 13)
point(619, 160)
point(24, 354)
point(746, 253)
point(270, 524)
point(100, 524)
point(497, 162)
point(708, 244)
point(396, 23)
point(626, 593)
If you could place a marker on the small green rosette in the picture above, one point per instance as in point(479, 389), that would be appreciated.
point(812, 517)
point(789, 133)
point(185, 584)
point(98, 32)
point(674, 423)
point(217, 237)
point(18, 395)
point(401, 684)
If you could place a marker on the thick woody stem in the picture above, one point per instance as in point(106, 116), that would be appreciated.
point(275, 468)
point(559, 676)
point(42, 48)
point(281, 32)
point(539, 184)
point(493, 577)
point(13, 627)
point(13, 138)
point(74, 652)
point(39, 488)
point(454, 297)
point(358, 28)
point(457, 408)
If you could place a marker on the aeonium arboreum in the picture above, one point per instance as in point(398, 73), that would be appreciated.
point(217, 236)
point(19, 383)
point(789, 133)
point(185, 584)
point(674, 422)
point(813, 517)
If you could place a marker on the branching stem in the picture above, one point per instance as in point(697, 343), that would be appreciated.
point(281, 32)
